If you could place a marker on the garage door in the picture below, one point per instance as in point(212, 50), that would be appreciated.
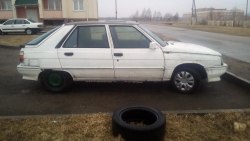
point(32, 14)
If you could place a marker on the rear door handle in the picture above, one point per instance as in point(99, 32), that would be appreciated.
point(68, 53)
point(118, 54)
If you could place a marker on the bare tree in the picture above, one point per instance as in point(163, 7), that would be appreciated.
point(176, 17)
point(148, 14)
point(167, 17)
point(155, 15)
point(159, 16)
point(143, 14)
point(135, 16)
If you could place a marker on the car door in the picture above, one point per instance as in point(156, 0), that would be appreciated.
point(133, 59)
point(20, 25)
point(86, 54)
point(8, 26)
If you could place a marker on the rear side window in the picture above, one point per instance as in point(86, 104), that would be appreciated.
point(42, 37)
point(9, 22)
point(88, 37)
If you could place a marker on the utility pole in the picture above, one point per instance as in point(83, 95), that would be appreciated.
point(116, 9)
point(194, 14)
point(246, 10)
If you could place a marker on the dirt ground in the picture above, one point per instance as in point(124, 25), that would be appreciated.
point(237, 31)
point(97, 127)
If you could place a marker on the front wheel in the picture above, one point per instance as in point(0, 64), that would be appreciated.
point(185, 80)
point(55, 81)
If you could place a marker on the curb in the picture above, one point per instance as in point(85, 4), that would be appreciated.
point(109, 113)
point(239, 81)
point(9, 47)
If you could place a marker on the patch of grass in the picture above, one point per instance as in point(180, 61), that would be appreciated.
point(16, 40)
point(237, 31)
point(97, 127)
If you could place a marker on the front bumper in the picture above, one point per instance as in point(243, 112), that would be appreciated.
point(214, 73)
point(29, 73)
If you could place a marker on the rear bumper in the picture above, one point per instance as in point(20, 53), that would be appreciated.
point(214, 73)
point(29, 73)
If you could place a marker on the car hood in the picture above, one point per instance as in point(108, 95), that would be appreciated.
point(181, 47)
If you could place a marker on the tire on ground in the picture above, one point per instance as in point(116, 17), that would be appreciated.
point(196, 77)
point(154, 120)
point(54, 81)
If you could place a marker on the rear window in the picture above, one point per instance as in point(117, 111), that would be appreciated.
point(31, 21)
point(42, 37)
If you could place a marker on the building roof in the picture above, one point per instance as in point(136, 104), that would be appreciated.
point(104, 22)
point(26, 2)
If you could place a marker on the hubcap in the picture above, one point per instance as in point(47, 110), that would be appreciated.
point(29, 31)
point(55, 80)
point(184, 81)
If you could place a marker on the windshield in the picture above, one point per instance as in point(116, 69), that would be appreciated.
point(31, 21)
point(157, 39)
point(42, 37)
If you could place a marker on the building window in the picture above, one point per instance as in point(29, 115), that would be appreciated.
point(78, 5)
point(54, 4)
point(5, 5)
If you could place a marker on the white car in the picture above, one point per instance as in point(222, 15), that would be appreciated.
point(115, 51)
point(21, 25)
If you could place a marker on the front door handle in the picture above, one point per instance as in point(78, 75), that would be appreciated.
point(118, 54)
point(68, 53)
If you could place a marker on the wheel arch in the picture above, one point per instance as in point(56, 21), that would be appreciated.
point(47, 70)
point(197, 67)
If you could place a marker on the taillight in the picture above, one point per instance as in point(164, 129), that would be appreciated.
point(21, 56)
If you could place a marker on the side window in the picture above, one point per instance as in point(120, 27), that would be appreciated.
point(128, 37)
point(72, 40)
point(20, 22)
point(88, 37)
point(9, 22)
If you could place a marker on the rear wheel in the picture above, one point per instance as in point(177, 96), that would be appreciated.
point(55, 82)
point(28, 31)
point(185, 80)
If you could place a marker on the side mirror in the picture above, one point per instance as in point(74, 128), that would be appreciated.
point(153, 45)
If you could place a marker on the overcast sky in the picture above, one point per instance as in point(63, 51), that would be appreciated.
point(128, 7)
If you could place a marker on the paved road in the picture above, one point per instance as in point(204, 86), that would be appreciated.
point(233, 46)
point(22, 97)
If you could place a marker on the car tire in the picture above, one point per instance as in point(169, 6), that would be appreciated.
point(28, 31)
point(55, 82)
point(5, 33)
point(1, 32)
point(153, 131)
point(185, 80)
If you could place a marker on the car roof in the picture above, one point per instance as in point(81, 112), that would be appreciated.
point(18, 19)
point(104, 22)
